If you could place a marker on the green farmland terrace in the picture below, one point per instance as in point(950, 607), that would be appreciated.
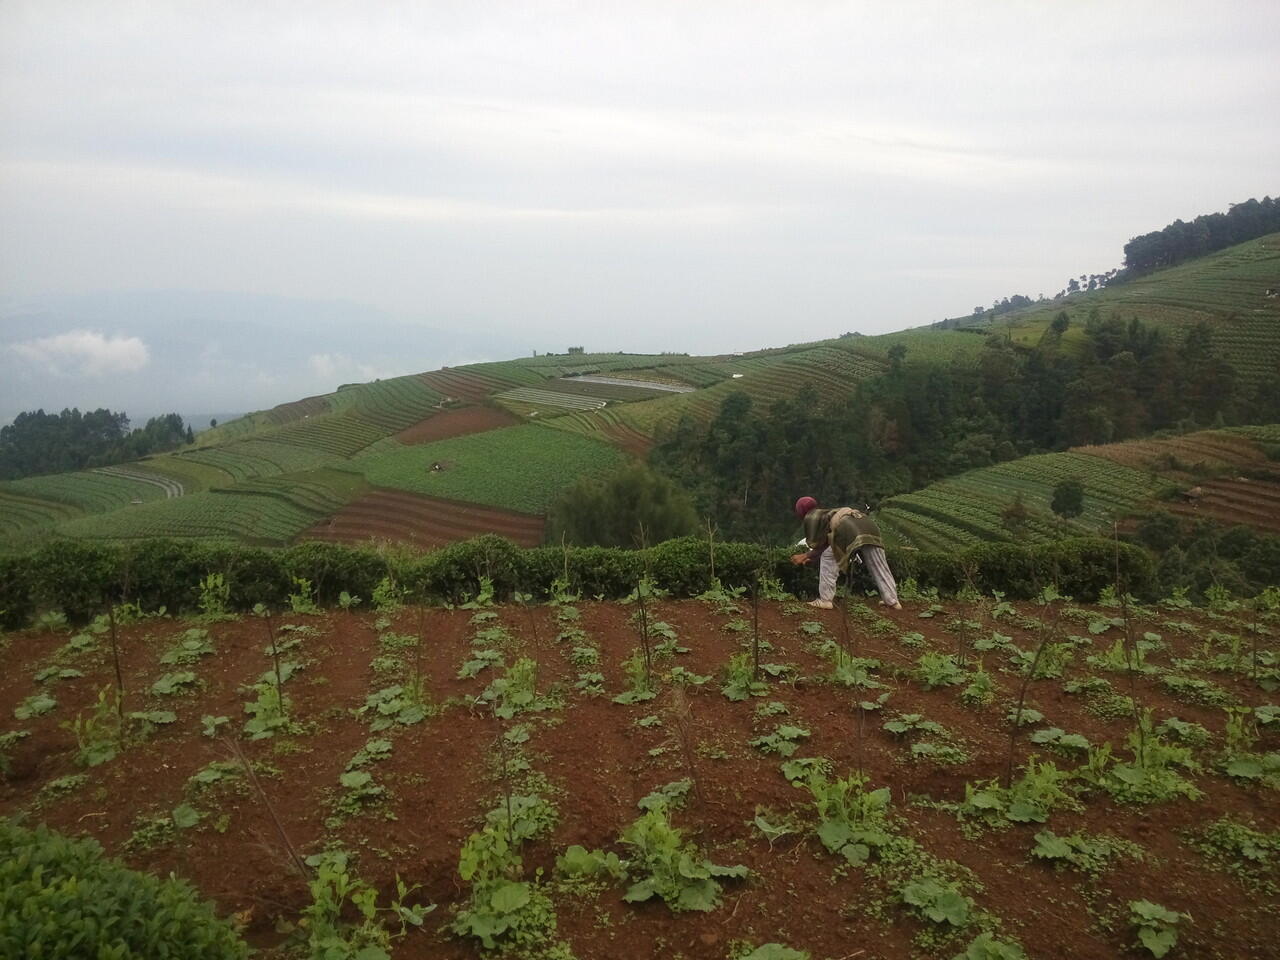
point(533, 425)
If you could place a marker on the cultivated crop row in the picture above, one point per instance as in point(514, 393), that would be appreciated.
point(598, 778)
point(254, 517)
point(518, 468)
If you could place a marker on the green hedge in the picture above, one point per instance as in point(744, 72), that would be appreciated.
point(61, 899)
point(77, 577)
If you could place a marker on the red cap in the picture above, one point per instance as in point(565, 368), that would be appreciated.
point(804, 505)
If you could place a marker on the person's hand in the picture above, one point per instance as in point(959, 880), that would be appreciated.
point(799, 559)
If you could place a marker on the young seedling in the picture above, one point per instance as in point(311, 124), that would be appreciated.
point(275, 660)
point(1047, 631)
point(115, 659)
point(1129, 645)
point(642, 592)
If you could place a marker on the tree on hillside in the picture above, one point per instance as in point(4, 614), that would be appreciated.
point(40, 443)
point(1068, 499)
point(610, 512)
point(1181, 241)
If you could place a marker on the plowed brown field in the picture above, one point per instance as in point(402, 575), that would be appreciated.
point(596, 759)
point(456, 423)
point(1254, 503)
point(423, 521)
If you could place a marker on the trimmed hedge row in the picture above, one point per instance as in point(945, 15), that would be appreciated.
point(78, 576)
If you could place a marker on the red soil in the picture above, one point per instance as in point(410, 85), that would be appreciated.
point(1254, 503)
point(456, 423)
point(423, 521)
point(600, 762)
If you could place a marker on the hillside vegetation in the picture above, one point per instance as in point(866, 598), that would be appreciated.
point(855, 416)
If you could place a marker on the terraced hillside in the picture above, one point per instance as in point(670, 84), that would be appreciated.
point(1118, 478)
point(422, 522)
point(1229, 290)
point(510, 435)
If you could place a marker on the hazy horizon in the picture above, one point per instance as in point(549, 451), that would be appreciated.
point(236, 205)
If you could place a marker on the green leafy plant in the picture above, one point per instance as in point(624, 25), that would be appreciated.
point(479, 661)
point(348, 601)
point(36, 705)
point(515, 691)
point(51, 621)
point(97, 733)
point(7, 740)
point(579, 863)
point(783, 741)
point(1150, 777)
point(1184, 731)
point(330, 937)
point(981, 689)
point(172, 684)
point(392, 706)
point(640, 680)
point(1242, 849)
point(1029, 799)
point(938, 670)
point(268, 710)
point(1089, 854)
point(910, 724)
point(502, 911)
point(188, 648)
point(55, 891)
point(522, 817)
point(1156, 926)
point(388, 596)
point(215, 598)
point(775, 826)
point(302, 601)
point(210, 725)
point(772, 951)
point(670, 867)
point(740, 682)
point(852, 821)
point(1057, 739)
point(937, 901)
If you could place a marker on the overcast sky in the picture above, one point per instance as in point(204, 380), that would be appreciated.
point(682, 176)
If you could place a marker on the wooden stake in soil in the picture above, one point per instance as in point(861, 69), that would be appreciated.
point(294, 857)
point(115, 659)
point(1045, 634)
point(417, 657)
point(755, 627)
point(684, 728)
point(642, 587)
point(711, 548)
point(506, 774)
point(1130, 649)
point(275, 659)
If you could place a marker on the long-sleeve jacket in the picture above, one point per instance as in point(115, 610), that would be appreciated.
point(853, 530)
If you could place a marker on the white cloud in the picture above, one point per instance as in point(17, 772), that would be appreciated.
point(335, 368)
point(325, 365)
point(84, 353)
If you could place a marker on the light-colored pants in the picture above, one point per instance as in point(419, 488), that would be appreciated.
point(877, 565)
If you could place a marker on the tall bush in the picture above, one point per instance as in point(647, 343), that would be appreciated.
point(61, 899)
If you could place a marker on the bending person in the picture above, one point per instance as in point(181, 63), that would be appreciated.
point(835, 537)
